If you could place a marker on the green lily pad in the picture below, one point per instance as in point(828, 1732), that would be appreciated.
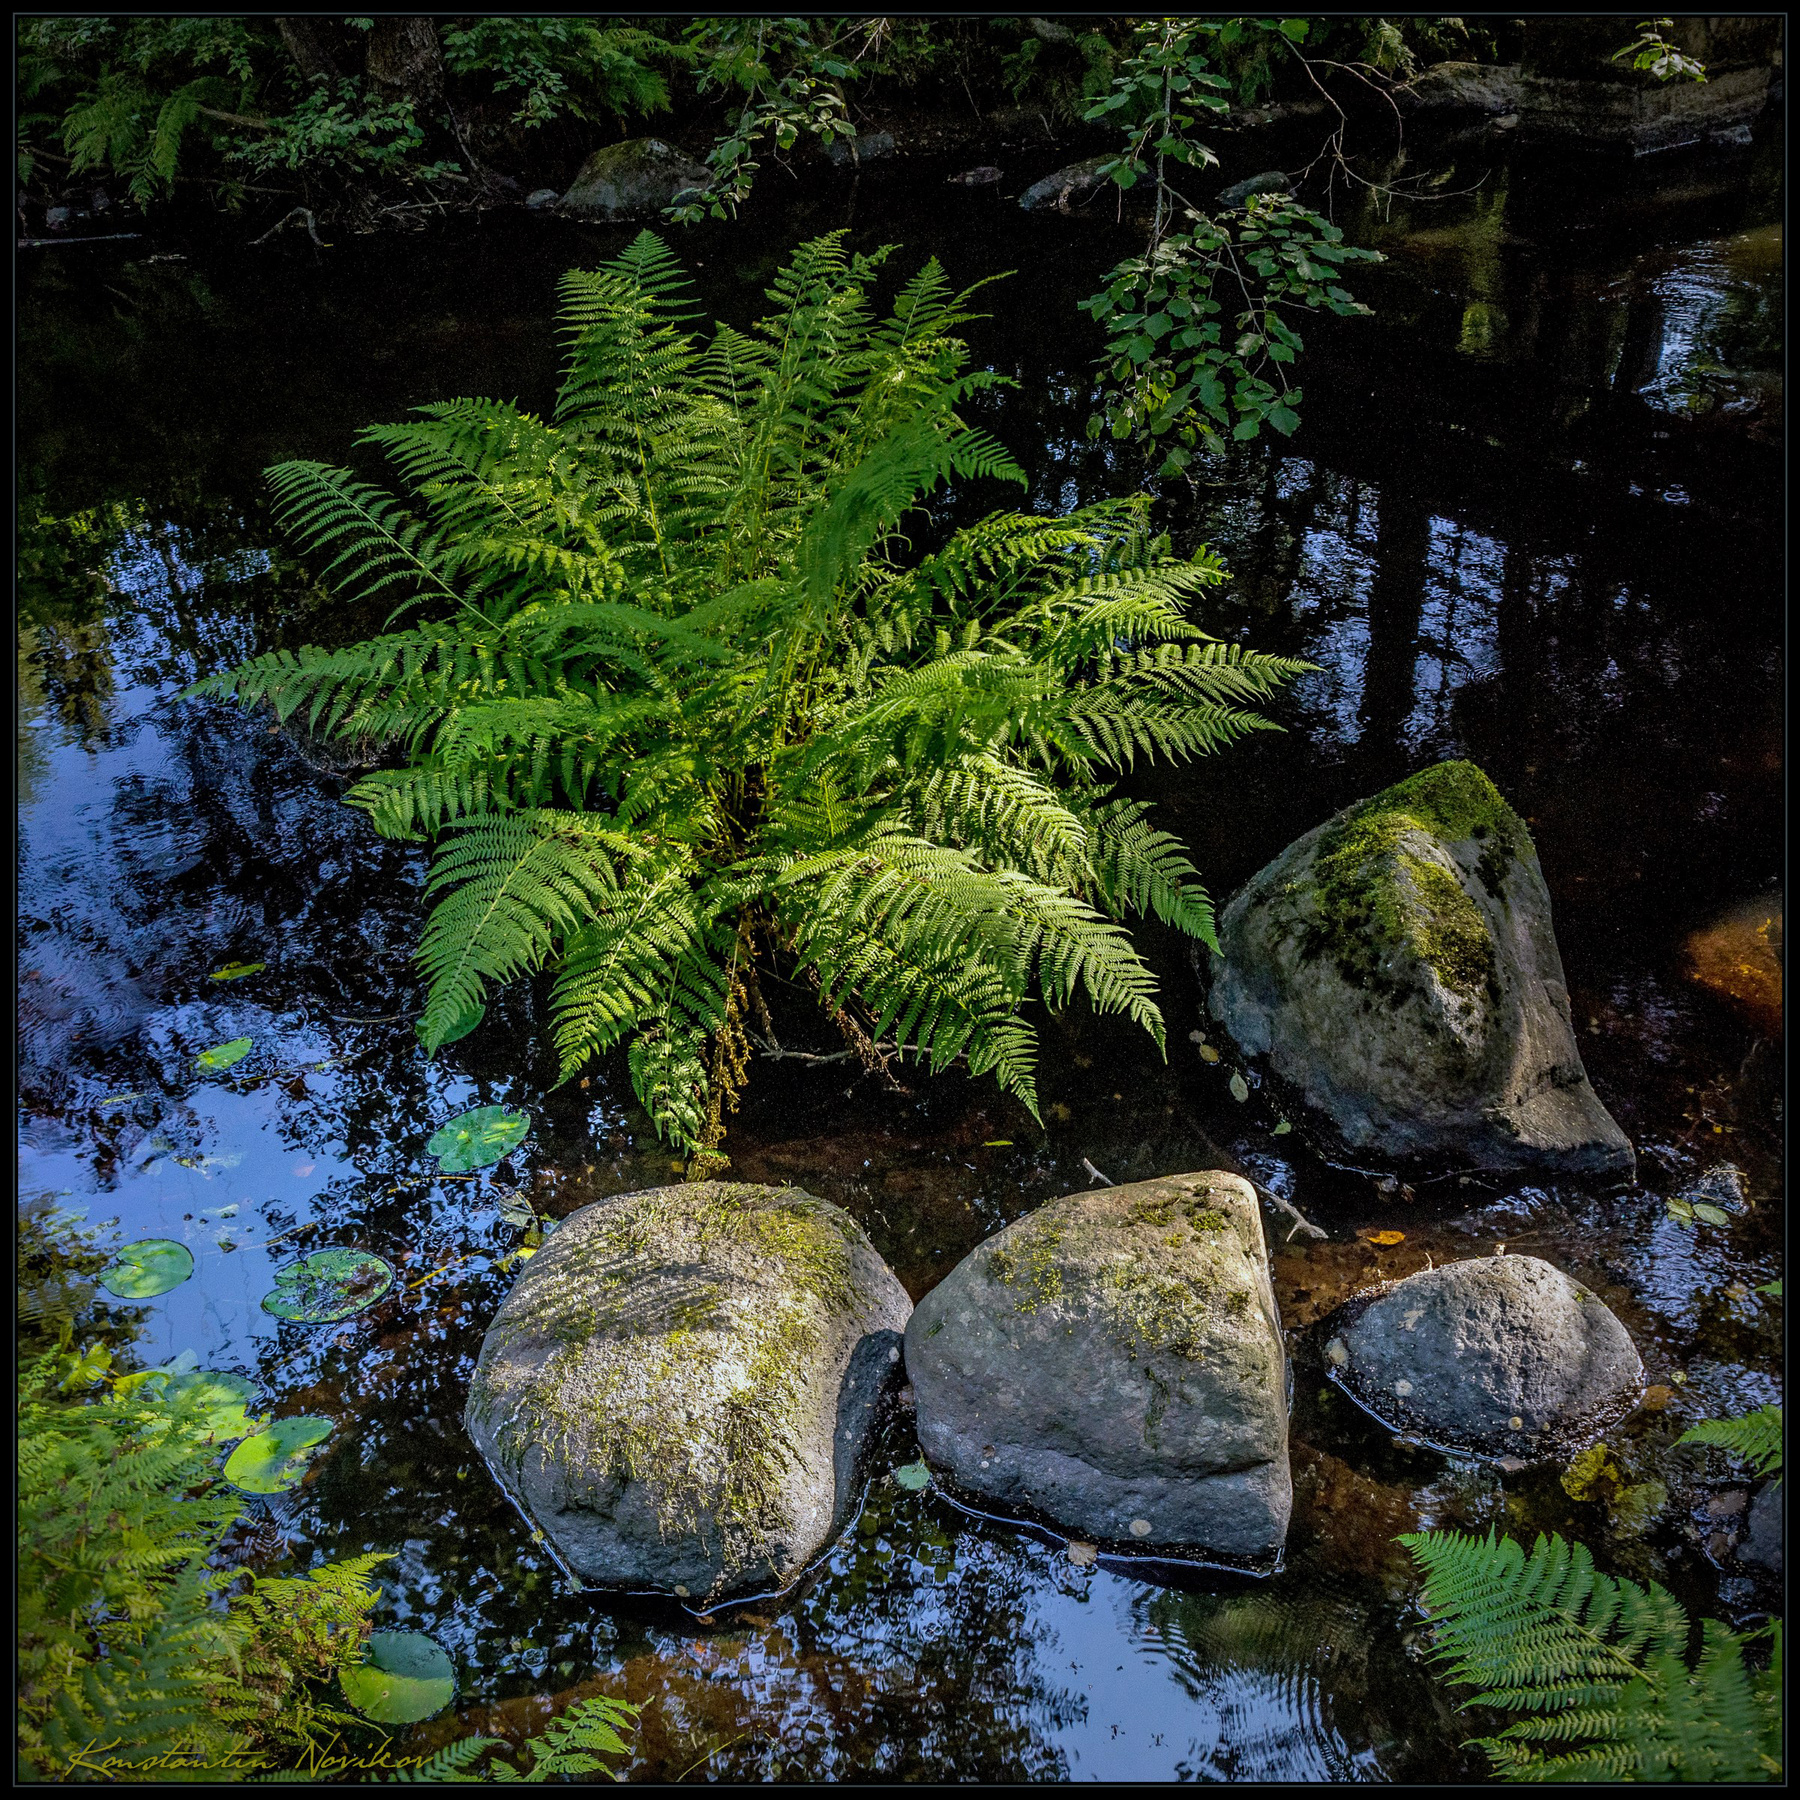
point(214, 1401)
point(407, 1677)
point(274, 1460)
point(147, 1268)
point(475, 1139)
point(915, 1475)
point(236, 971)
point(224, 1056)
point(329, 1284)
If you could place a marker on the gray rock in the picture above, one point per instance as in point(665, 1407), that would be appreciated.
point(1074, 189)
point(1763, 1533)
point(1723, 1185)
point(984, 175)
point(1397, 967)
point(1463, 88)
point(877, 146)
point(633, 180)
point(1502, 1354)
point(1113, 1361)
point(679, 1389)
point(541, 197)
point(1272, 181)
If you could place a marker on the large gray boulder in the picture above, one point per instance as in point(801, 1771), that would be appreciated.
point(1113, 1361)
point(1397, 967)
point(1503, 1354)
point(633, 180)
point(680, 1386)
point(1078, 188)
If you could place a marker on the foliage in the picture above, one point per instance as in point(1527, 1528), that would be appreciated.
point(562, 67)
point(1180, 364)
point(688, 706)
point(123, 1641)
point(1755, 1438)
point(1652, 54)
point(571, 1745)
point(1597, 1665)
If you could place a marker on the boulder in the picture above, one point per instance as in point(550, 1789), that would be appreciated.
point(1078, 188)
point(1272, 181)
point(1763, 1535)
point(1397, 968)
point(1502, 1354)
point(633, 180)
point(874, 146)
point(679, 1389)
point(1723, 1186)
point(1462, 90)
point(1113, 1362)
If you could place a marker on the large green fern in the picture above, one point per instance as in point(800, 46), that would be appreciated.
point(680, 704)
point(1755, 1438)
point(1598, 1667)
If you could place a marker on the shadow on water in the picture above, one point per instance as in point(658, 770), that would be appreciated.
point(1531, 518)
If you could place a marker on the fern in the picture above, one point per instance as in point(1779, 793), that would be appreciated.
point(1755, 1438)
point(1595, 1663)
point(572, 1745)
point(679, 704)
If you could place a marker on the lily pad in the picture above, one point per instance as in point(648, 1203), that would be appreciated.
point(329, 1284)
point(236, 971)
point(274, 1460)
point(215, 1402)
point(147, 1268)
point(408, 1677)
point(224, 1056)
point(475, 1139)
point(914, 1475)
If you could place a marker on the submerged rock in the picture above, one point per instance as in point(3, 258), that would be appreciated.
point(1114, 1362)
point(873, 146)
point(1762, 1542)
point(1500, 1354)
point(679, 1389)
point(1077, 188)
point(633, 180)
point(1396, 965)
point(1271, 182)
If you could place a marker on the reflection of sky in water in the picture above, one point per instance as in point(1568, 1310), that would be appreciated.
point(1719, 307)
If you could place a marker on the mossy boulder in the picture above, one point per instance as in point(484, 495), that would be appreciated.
point(1113, 1363)
point(1078, 188)
point(1397, 967)
point(679, 1389)
point(1499, 1354)
point(632, 180)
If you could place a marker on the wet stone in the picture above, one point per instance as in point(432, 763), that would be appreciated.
point(1113, 1362)
point(1502, 1354)
point(633, 180)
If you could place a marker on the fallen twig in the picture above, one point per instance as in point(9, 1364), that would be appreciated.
point(775, 1053)
point(299, 212)
point(1301, 1222)
point(1096, 1174)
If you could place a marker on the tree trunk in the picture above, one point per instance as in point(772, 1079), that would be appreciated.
point(405, 57)
point(307, 46)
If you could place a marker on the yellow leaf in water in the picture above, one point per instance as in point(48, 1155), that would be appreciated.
point(1208, 1053)
point(1385, 1237)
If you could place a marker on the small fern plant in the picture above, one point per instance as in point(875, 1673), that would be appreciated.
point(1597, 1665)
point(575, 1744)
point(681, 706)
point(1755, 1438)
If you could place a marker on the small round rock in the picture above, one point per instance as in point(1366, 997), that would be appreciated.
point(1140, 1527)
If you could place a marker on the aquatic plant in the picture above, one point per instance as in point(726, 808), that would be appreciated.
point(1755, 1438)
point(689, 708)
point(572, 1745)
point(1597, 1664)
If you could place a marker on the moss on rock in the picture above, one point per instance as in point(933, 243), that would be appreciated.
point(1376, 894)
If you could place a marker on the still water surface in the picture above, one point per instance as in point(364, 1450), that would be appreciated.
point(1531, 518)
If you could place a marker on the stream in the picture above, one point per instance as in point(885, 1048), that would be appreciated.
point(1533, 517)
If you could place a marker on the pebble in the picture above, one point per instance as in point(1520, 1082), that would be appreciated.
point(1337, 1352)
point(1403, 1388)
point(1140, 1528)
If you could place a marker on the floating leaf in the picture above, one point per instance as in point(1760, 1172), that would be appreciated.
point(475, 1139)
point(1681, 1211)
point(1208, 1053)
point(1713, 1215)
point(407, 1677)
point(145, 1269)
point(915, 1475)
point(1240, 1088)
point(1385, 1237)
point(236, 971)
point(224, 1056)
point(996, 1144)
point(1282, 1128)
point(222, 1396)
point(116, 1099)
point(515, 1209)
point(274, 1460)
point(330, 1284)
point(1772, 1289)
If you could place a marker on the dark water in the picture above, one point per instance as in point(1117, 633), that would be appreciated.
point(1533, 518)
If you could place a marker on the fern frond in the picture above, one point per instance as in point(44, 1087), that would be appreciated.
point(1755, 1438)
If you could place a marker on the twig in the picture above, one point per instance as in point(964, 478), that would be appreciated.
point(1301, 1222)
point(714, 1751)
point(1096, 1174)
point(299, 212)
point(775, 1053)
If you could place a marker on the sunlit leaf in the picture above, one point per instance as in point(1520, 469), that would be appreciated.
point(224, 1056)
point(1385, 1237)
point(477, 1138)
point(1240, 1088)
point(408, 1677)
point(145, 1269)
point(1713, 1215)
point(914, 1475)
point(274, 1460)
point(330, 1284)
point(1282, 1128)
point(236, 971)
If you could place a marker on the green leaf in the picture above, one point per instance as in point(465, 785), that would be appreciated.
point(1713, 1215)
point(224, 1056)
point(236, 971)
point(914, 1475)
point(274, 1460)
point(147, 1268)
point(1240, 1088)
point(407, 1677)
point(474, 1139)
point(1282, 1128)
point(330, 1284)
